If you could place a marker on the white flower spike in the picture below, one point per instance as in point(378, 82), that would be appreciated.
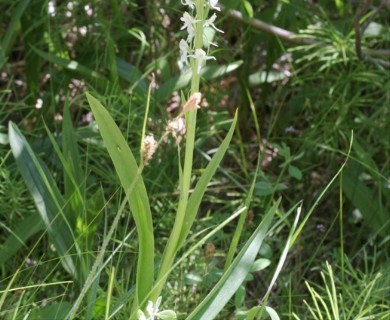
point(213, 5)
point(200, 56)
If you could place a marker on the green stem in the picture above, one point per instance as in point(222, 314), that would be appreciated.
point(173, 242)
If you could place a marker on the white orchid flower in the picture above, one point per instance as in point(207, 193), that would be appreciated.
point(200, 56)
point(210, 23)
point(189, 21)
point(213, 5)
point(189, 24)
point(184, 51)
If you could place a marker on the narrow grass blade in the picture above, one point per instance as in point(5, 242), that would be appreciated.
point(127, 170)
point(109, 293)
point(11, 31)
point(308, 215)
point(241, 221)
point(200, 188)
point(235, 274)
point(74, 176)
point(47, 197)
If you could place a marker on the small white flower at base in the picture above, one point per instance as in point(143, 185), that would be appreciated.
point(153, 312)
point(200, 56)
point(152, 309)
point(213, 5)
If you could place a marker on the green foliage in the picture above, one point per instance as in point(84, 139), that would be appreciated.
point(69, 247)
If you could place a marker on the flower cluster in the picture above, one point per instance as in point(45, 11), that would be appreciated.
point(187, 47)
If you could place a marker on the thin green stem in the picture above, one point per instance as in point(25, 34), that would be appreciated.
point(341, 233)
point(173, 242)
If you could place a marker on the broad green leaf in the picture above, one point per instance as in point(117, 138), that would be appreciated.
point(231, 280)
point(261, 77)
point(47, 197)
point(196, 197)
point(25, 229)
point(128, 172)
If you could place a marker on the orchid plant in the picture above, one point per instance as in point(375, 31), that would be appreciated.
point(148, 290)
point(194, 23)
